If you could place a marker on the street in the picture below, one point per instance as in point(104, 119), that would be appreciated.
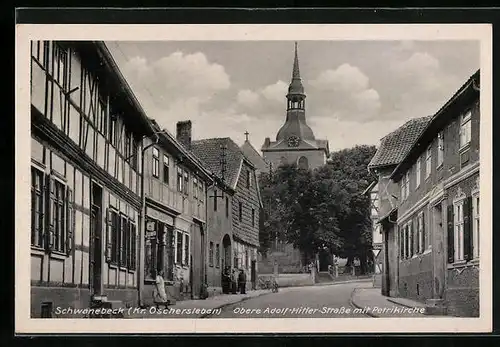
point(329, 301)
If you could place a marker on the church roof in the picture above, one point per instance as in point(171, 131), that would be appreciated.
point(253, 155)
point(209, 151)
point(395, 145)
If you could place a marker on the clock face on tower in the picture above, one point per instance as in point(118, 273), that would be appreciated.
point(293, 141)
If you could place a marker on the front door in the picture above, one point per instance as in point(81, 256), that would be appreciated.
point(95, 261)
point(253, 273)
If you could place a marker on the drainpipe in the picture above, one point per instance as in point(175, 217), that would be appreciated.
point(142, 221)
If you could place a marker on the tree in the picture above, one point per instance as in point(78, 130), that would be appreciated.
point(321, 208)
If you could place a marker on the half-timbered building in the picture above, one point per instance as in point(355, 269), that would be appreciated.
point(175, 225)
point(86, 137)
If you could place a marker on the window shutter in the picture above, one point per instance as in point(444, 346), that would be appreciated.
point(70, 220)
point(467, 228)
point(451, 243)
point(109, 229)
point(133, 248)
point(50, 235)
point(424, 239)
point(401, 242)
point(412, 240)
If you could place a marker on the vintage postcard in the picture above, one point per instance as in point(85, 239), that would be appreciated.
point(229, 178)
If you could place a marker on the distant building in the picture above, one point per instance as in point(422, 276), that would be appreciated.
point(261, 165)
point(175, 188)
point(234, 206)
point(295, 142)
point(393, 147)
point(437, 235)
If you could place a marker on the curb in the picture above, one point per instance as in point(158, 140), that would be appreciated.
point(342, 282)
point(351, 301)
point(401, 304)
point(232, 303)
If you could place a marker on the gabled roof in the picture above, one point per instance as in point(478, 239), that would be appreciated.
point(395, 145)
point(209, 152)
point(254, 156)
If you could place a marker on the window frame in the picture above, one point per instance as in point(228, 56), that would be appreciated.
point(166, 169)
point(458, 229)
point(465, 124)
point(418, 172)
point(63, 206)
point(38, 215)
point(180, 180)
point(217, 255)
point(440, 149)
point(476, 203)
point(428, 162)
point(211, 254)
point(420, 232)
point(155, 157)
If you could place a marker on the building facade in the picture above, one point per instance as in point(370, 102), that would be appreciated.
point(295, 142)
point(438, 213)
point(378, 254)
point(87, 131)
point(393, 147)
point(234, 210)
point(175, 192)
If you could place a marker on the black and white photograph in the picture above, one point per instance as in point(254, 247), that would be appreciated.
point(218, 177)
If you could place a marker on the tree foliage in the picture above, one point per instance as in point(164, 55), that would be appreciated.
point(324, 208)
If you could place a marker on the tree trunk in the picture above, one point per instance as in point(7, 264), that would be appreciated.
point(364, 264)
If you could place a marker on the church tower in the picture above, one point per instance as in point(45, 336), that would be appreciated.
point(295, 142)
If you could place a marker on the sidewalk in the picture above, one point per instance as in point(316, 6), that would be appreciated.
point(197, 308)
point(376, 305)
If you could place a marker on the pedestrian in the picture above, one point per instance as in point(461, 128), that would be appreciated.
point(242, 281)
point(234, 282)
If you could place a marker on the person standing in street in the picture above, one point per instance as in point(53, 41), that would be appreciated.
point(242, 281)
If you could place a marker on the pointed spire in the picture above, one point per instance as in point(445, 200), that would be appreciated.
point(296, 71)
point(296, 86)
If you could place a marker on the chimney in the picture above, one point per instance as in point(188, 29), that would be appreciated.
point(184, 133)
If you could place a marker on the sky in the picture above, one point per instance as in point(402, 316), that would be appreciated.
point(357, 91)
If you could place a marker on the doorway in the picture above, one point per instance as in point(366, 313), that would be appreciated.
point(253, 274)
point(96, 242)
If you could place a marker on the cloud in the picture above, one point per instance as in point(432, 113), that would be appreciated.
point(275, 92)
point(179, 75)
point(344, 93)
point(247, 98)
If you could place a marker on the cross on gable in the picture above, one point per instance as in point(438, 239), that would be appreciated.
point(246, 135)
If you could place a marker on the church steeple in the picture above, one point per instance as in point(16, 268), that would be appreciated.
point(295, 124)
point(296, 96)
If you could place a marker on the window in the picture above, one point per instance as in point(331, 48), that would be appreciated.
point(211, 254)
point(112, 130)
point(57, 239)
point(440, 154)
point(465, 129)
point(201, 191)
point(37, 50)
point(253, 217)
point(179, 180)
point(195, 188)
point(134, 153)
point(132, 247)
point(166, 169)
point(37, 197)
point(178, 248)
point(156, 162)
point(113, 236)
point(217, 255)
point(475, 225)
point(186, 250)
point(186, 183)
point(418, 170)
point(248, 179)
point(128, 144)
point(61, 65)
point(420, 230)
point(123, 237)
point(240, 213)
point(227, 207)
point(428, 162)
point(405, 186)
point(215, 199)
point(246, 258)
point(458, 227)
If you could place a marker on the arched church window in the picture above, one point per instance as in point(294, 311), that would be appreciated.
point(303, 163)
